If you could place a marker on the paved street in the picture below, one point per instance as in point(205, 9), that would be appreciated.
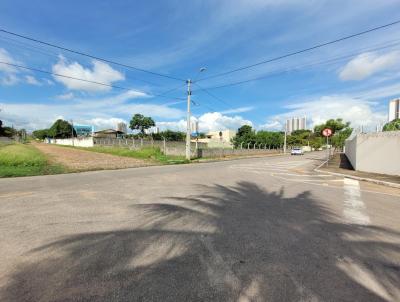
point(261, 229)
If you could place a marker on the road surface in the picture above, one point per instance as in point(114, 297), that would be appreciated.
point(261, 229)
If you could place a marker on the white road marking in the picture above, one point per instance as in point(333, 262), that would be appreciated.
point(354, 209)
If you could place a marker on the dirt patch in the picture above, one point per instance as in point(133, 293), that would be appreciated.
point(81, 160)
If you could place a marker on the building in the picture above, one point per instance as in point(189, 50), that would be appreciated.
point(108, 133)
point(296, 123)
point(152, 130)
point(122, 127)
point(394, 109)
point(218, 139)
point(83, 130)
point(194, 127)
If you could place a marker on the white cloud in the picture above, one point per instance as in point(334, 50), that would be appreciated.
point(101, 112)
point(101, 73)
point(48, 82)
point(32, 80)
point(65, 96)
point(367, 64)
point(105, 123)
point(7, 73)
point(358, 112)
point(272, 125)
point(238, 110)
point(211, 121)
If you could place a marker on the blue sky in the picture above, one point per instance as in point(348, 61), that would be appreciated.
point(353, 79)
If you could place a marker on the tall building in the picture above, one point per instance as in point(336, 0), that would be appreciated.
point(194, 126)
point(394, 109)
point(122, 127)
point(296, 123)
point(152, 130)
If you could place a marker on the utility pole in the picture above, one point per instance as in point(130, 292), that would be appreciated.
point(284, 142)
point(189, 92)
point(72, 132)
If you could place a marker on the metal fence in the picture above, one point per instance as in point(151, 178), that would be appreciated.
point(178, 147)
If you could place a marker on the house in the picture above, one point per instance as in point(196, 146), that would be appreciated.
point(218, 139)
point(109, 133)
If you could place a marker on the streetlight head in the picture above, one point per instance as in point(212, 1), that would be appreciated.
point(203, 69)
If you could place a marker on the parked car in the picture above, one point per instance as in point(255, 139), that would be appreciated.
point(297, 151)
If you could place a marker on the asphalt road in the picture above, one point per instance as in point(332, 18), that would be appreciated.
point(263, 229)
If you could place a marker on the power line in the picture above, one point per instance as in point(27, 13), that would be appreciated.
point(298, 68)
point(30, 47)
point(90, 56)
point(212, 95)
point(301, 51)
point(84, 80)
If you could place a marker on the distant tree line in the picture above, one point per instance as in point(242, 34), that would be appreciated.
point(60, 129)
point(11, 132)
point(392, 126)
point(247, 136)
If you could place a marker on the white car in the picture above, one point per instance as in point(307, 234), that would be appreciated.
point(297, 151)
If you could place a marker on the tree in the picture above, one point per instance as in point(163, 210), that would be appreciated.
point(41, 133)
point(392, 126)
point(340, 137)
point(141, 123)
point(244, 135)
point(271, 139)
point(61, 129)
point(244, 130)
point(333, 124)
point(170, 135)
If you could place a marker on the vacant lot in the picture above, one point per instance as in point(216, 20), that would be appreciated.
point(149, 153)
point(82, 160)
point(24, 160)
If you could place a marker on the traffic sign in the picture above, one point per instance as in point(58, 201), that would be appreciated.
point(327, 132)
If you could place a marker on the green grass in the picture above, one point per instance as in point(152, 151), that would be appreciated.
point(145, 153)
point(24, 160)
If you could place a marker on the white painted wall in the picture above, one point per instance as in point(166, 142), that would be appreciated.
point(375, 152)
point(77, 141)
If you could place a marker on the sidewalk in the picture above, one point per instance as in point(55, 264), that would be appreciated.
point(339, 164)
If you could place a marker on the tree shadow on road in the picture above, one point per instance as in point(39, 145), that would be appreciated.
point(239, 243)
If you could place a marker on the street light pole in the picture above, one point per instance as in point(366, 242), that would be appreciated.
point(189, 92)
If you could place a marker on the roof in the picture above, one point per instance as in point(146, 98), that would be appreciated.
point(110, 131)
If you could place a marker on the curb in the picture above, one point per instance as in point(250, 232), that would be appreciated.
point(375, 181)
point(223, 159)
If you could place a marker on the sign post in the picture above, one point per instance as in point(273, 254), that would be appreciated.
point(327, 133)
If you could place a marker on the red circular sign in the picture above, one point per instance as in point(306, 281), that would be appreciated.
point(327, 132)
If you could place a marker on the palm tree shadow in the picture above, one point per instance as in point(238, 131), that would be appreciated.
point(239, 243)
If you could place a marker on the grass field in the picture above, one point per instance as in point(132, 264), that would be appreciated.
point(145, 153)
point(24, 160)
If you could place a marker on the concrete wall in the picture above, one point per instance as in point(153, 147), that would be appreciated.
point(219, 152)
point(375, 152)
point(170, 148)
point(77, 141)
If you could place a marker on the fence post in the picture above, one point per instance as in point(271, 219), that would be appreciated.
point(165, 147)
point(133, 142)
point(254, 147)
point(141, 142)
